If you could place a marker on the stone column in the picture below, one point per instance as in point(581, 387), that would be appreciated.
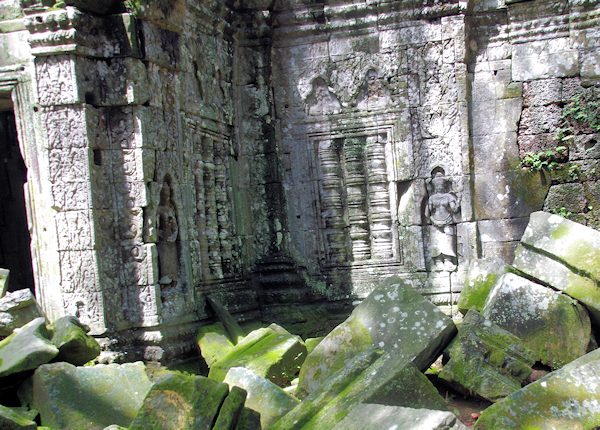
point(332, 207)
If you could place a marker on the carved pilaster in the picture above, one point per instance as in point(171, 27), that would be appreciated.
point(222, 202)
point(332, 207)
point(210, 210)
point(380, 218)
point(356, 191)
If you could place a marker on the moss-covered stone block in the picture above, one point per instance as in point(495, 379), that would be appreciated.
point(325, 409)
point(568, 242)
point(369, 416)
point(17, 308)
point(214, 342)
point(568, 398)
point(263, 397)
point(481, 277)
point(486, 360)
point(394, 318)
point(312, 342)
point(270, 352)
point(26, 349)
point(232, 328)
point(553, 325)
point(72, 341)
point(10, 419)
point(561, 277)
point(249, 420)
point(178, 401)
point(231, 410)
point(92, 397)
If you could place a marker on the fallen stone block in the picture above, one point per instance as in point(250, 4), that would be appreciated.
point(91, 397)
point(560, 277)
point(394, 318)
point(366, 416)
point(263, 396)
point(233, 329)
point(566, 241)
point(487, 360)
point(27, 348)
point(178, 401)
point(481, 277)
point(249, 420)
point(325, 409)
point(10, 419)
point(214, 343)
point(270, 352)
point(4, 276)
point(568, 398)
point(17, 308)
point(551, 324)
point(231, 410)
point(312, 342)
point(73, 343)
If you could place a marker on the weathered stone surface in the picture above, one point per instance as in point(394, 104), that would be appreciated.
point(12, 420)
point(232, 328)
point(231, 410)
point(89, 397)
point(560, 277)
point(327, 407)
point(17, 309)
point(249, 420)
point(72, 341)
point(571, 197)
point(178, 401)
point(481, 277)
point(213, 342)
point(4, 277)
point(394, 318)
point(550, 323)
point(368, 416)
point(263, 397)
point(567, 398)
point(312, 342)
point(569, 242)
point(487, 360)
point(26, 349)
point(271, 352)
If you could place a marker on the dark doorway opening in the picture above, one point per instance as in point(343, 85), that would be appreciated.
point(15, 252)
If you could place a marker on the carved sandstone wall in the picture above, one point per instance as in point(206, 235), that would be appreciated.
point(285, 154)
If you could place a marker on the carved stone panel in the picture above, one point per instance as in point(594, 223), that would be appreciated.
point(355, 197)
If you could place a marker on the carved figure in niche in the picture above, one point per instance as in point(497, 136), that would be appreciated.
point(168, 232)
point(321, 101)
point(373, 93)
point(442, 205)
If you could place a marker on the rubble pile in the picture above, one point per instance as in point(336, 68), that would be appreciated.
point(525, 345)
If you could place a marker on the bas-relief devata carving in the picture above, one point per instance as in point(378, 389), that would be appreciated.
point(168, 232)
point(440, 211)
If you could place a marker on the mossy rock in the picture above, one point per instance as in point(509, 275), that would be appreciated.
point(568, 398)
point(486, 360)
point(72, 341)
point(26, 349)
point(481, 277)
point(4, 277)
point(231, 409)
point(214, 342)
point(264, 397)
point(91, 397)
point(554, 326)
point(11, 419)
point(270, 352)
point(178, 401)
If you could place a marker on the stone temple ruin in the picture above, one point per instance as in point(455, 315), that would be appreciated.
point(281, 155)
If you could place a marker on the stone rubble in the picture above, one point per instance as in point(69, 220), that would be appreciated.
point(17, 309)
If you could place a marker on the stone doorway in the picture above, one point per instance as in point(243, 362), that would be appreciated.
point(15, 253)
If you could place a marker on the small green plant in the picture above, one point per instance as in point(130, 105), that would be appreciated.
point(582, 111)
point(548, 159)
point(134, 7)
point(562, 211)
point(574, 172)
